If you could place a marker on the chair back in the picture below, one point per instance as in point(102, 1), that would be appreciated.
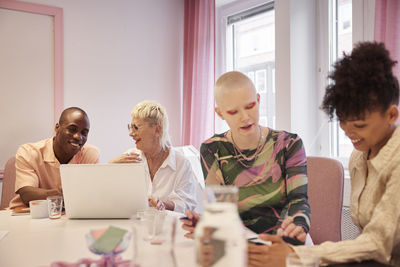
point(8, 191)
point(193, 155)
point(325, 196)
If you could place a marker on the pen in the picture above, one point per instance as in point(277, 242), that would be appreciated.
point(258, 241)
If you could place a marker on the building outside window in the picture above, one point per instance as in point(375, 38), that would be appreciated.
point(250, 49)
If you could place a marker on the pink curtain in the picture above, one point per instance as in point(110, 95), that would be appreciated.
point(387, 28)
point(198, 72)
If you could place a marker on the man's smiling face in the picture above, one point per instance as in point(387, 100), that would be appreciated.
point(72, 133)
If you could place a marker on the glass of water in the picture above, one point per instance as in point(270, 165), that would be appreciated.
point(55, 204)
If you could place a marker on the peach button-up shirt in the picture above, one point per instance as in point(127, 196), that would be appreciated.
point(36, 165)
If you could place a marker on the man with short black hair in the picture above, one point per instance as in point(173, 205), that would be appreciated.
point(38, 164)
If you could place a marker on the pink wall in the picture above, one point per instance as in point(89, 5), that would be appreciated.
point(57, 13)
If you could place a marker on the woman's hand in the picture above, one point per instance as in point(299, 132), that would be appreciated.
point(273, 255)
point(161, 204)
point(189, 223)
point(288, 228)
point(127, 158)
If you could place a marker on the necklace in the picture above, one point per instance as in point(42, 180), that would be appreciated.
point(157, 157)
point(250, 158)
point(155, 163)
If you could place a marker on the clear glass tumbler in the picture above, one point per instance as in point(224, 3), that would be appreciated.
point(55, 204)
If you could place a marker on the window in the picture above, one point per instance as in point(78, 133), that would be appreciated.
point(249, 47)
point(342, 37)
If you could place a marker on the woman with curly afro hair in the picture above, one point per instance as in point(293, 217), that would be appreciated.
point(363, 96)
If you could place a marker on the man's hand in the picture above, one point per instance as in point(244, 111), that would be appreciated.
point(273, 255)
point(189, 223)
point(127, 158)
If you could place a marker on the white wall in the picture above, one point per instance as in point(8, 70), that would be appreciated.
point(117, 53)
point(296, 67)
point(303, 70)
point(282, 65)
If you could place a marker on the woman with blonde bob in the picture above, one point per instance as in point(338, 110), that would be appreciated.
point(172, 184)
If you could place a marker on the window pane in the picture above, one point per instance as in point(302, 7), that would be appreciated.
point(254, 40)
point(344, 27)
point(345, 42)
point(250, 48)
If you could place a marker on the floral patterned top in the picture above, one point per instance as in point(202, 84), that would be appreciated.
point(272, 186)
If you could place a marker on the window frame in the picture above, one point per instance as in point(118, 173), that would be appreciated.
point(362, 30)
point(222, 14)
point(221, 24)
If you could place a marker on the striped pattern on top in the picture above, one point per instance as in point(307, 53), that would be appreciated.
point(274, 185)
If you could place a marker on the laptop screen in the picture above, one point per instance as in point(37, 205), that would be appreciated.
point(103, 190)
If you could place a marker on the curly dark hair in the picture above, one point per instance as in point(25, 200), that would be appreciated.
point(362, 81)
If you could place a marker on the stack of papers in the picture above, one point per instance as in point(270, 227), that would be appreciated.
point(20, 211)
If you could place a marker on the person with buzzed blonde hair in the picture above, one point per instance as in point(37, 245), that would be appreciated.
point(269, 167)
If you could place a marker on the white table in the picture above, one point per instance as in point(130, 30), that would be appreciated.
point(39, 242)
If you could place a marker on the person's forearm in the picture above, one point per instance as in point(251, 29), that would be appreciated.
point(300, 210)
point(29, 193)
point(298, 207)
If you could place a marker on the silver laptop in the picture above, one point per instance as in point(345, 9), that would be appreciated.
point(103, 190)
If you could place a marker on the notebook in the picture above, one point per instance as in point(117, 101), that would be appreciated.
point(103, 190)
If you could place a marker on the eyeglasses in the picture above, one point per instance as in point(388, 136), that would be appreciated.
point(134, 128)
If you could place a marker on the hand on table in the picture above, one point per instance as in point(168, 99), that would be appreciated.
point(127, 158)
point(289, 229)
point(273, 255)
point(156, 203)
point(28, 193)
point(190, 223)
point(58, 192)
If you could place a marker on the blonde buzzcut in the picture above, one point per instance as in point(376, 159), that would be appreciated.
point(154, 113)
point(229, 81)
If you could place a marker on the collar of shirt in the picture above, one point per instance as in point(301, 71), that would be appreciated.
point(386, 153)
point(359, 160)
point(48, 152)
point(170, 160)
point(50, 157)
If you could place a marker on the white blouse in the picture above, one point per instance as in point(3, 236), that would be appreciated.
point(174, 181)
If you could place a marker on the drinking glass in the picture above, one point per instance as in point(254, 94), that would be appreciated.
point(161, 245)
point(55, 204)
point(149, 220)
